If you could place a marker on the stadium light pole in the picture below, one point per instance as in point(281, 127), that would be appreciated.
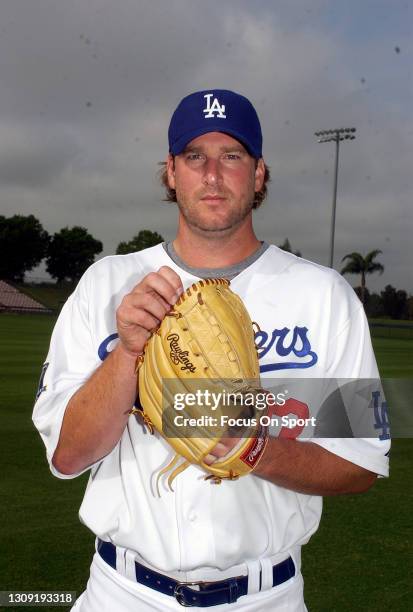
point(336, 136)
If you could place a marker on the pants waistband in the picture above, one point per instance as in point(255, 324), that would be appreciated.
point(196, 593)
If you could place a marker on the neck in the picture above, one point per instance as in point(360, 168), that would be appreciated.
point(202, 250)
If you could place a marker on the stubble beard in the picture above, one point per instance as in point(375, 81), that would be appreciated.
point(211, 227)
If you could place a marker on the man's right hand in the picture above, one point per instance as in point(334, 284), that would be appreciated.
point(98, 412)
point(143, 309)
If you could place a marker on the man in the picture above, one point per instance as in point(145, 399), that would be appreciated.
point(244, 537)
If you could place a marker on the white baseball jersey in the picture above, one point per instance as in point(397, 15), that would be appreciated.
point(312, 325)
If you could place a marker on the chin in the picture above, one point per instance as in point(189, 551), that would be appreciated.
point(215, 228)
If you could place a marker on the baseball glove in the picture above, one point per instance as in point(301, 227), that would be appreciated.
point(206, 343)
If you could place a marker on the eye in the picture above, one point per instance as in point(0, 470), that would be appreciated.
point(193, 156)
point(232, 156)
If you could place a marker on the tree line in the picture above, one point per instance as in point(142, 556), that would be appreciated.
point(392, 302)
point(24, 243)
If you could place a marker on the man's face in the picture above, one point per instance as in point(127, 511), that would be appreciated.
point(215, 180)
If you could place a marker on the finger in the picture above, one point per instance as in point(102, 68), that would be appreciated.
point(219, 450)
point(224, 446)
point(172, 277)
point(158, 284)
point(174, 280)
point(130, 316)
point(165, 305)
point(230, 442)
point(157, 307)
point(209, 459)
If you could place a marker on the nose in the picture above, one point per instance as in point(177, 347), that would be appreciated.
point(212, 173)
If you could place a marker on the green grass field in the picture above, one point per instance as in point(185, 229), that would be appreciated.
point(49, 294)
point(360, 558)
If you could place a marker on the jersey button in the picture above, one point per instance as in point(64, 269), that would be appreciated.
point(192, 517)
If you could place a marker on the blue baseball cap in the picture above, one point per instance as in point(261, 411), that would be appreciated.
point(215, 110)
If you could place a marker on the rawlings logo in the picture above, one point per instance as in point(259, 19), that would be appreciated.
point(177, 355)
point(254, 454)
point(255, 449)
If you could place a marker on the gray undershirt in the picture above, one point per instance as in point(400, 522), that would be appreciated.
point(229, 272)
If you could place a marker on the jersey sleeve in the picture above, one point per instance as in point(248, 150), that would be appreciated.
point(350, 356)
point(70, 361)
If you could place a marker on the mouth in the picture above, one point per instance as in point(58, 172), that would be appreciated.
point(212, 198)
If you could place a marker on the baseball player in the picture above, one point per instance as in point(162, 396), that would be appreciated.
point(235, 546)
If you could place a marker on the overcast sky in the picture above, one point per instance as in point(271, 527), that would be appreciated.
point(87, 89)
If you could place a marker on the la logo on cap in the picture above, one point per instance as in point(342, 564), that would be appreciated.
point(215, 107)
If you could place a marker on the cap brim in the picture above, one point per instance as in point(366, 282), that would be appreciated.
point(181, 143)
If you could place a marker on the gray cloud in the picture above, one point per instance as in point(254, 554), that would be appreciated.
point(87, 90)
point(32, 157)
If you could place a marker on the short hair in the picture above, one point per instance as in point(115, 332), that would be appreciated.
point(171, 193)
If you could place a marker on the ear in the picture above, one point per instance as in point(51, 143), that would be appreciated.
point(259, 174)
point(170, 171)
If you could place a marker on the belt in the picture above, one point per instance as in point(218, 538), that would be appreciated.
point(209, 593)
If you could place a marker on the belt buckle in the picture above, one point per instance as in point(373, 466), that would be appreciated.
point(179, 596)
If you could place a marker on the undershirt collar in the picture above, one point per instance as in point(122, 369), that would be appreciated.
point(229, 272)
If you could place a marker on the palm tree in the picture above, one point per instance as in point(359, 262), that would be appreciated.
point(358, 264)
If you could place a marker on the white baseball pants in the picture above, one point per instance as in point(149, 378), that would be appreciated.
point(107, 590)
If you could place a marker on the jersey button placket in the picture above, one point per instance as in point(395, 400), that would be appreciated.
point(194, 531)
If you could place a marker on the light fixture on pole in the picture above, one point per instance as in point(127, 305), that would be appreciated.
point(335, 136)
